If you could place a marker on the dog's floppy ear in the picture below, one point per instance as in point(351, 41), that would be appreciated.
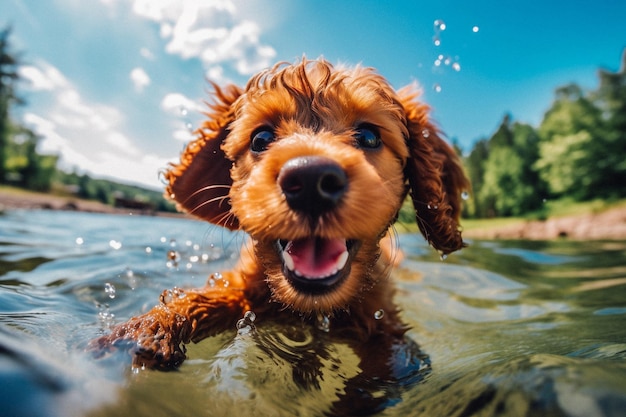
point(200, 183)
point(435, 177)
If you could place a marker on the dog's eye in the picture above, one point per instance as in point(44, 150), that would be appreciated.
point(261, 139)
point(367, 137)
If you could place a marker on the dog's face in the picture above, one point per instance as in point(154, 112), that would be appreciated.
point(314, 161)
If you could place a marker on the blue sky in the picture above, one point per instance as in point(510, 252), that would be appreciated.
point(114, 86)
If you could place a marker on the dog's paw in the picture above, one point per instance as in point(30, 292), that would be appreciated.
point(154, 340)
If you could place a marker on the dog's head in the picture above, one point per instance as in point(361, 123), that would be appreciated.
point(314, 162)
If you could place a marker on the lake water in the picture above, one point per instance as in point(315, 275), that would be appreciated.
point(511, 328)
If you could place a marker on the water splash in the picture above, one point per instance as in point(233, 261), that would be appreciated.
point(105, 317)
point(115, 244)
point(168, 296)
point(109, 289)
point(173, 257)
point(439, 26)
point(246, 324)
point(129, 274)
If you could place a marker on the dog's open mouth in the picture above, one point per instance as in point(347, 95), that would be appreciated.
point(316, 264)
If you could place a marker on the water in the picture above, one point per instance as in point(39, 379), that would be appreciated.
point(512, 328)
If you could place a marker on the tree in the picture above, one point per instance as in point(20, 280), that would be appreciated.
point(8, 77)
point(610, 98)
point(503, 175)
point(573, 158)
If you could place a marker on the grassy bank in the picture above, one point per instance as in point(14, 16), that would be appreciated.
point(551, 210)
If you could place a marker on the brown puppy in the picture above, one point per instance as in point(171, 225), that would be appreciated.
point(314, 163)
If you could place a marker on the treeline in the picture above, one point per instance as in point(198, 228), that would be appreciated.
point(22, 166)
point(578, 153)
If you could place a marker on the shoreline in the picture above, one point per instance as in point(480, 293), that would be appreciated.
point(18, 199)
point(609, 224)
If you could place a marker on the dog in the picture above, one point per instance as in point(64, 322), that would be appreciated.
point(313, 162)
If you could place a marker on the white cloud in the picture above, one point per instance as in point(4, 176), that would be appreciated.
point(179, 105)
point(140, 79)
point(88, 136)
point(42, 77)
point(183, 135)
point(210, 31)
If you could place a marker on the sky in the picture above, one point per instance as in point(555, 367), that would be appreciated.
point(115, 87)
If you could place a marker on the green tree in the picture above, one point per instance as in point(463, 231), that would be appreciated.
point(475, 166)
point(571, 155)
point(611, 99)
point(8, 78)
point(509, 184)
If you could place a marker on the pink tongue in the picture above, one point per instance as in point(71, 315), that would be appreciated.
point(316, 257)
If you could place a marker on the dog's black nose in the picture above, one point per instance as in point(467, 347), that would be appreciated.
point(312, 184)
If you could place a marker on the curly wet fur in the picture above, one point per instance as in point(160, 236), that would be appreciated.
point(313, 109)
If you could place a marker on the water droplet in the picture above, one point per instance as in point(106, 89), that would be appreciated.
point(437, 88)
point(425, 133)
point(163, 239)
point(148, 249)
point(323, 322)
point(166, 297)
point(79, 241)
point(105, 317)
point(115, 244)
point(173, 255)
point(250, 315)
point(475, 29)
point(436, 40)
point(246, 324)
point(456, 66)
point(465, 195)
point(183, 111)
point(109, 289)
point(440, 25)
point(437, 62)
point(132, 280)
point(443, 256)
point(379, 314)
point(173, 243)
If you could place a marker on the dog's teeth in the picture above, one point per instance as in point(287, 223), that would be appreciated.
point(288, 260)
point(341, 261)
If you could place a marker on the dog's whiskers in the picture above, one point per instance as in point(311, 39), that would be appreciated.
point(207, 188)
point(212, 200)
